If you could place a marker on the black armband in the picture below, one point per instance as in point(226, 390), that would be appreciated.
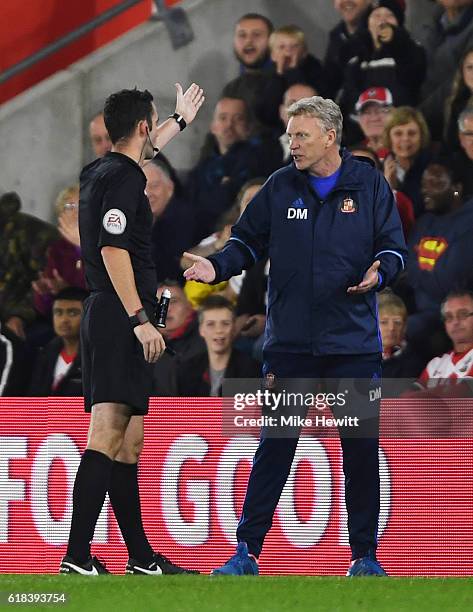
point(181, 122)
point(139, 318)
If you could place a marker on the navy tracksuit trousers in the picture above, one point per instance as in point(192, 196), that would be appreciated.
point(273, 458)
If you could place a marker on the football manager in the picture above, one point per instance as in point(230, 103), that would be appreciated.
point(330, 226)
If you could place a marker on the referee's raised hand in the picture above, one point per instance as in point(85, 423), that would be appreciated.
point(201, 270)
point(189, 102)
point(152, 341)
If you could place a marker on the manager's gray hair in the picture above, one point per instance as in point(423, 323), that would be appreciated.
point(468, 112)
point(325, 110)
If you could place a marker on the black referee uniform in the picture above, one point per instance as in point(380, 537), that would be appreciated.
point(114, 211)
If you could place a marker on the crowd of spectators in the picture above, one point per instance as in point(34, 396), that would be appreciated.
point(408, 109)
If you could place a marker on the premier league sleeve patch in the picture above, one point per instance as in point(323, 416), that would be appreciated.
point(114, 221)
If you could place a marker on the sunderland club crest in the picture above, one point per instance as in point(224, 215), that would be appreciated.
point(348, 206)
point(270, 381)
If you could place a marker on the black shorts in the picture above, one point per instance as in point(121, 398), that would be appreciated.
point(113, 365)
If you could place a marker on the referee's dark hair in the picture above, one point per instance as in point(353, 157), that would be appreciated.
point(76, 294)
point(123, 111)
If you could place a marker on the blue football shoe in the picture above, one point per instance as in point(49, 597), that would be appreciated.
point(241, 564)
point(365, 567)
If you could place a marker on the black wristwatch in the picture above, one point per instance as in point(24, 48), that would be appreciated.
point(181, 122)
point(139, 318)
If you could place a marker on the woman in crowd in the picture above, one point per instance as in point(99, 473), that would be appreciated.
point(399, 360)
point(460, 97)
point(64, 265)
point(407, 136)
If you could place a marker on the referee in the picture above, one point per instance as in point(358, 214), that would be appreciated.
point(330, 226)
point(119, 342)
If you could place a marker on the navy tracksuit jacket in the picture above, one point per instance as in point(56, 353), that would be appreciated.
point(316, 251)
point(314, 328)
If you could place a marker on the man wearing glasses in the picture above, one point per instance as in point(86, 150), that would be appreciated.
point(457, 314)
point(372, 111)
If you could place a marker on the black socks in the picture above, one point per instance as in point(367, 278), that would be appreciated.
point(125, 499)
point(91, 484)
point(96, 475)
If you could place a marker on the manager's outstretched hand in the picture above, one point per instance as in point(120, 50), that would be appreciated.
point(201, 270)
point(370, 280)
point(189, 102)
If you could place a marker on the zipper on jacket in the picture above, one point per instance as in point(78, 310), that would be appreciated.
point(315, 214)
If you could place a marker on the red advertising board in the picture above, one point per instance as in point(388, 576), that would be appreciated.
point(193, 481)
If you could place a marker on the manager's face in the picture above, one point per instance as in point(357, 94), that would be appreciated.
point(308, 141)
